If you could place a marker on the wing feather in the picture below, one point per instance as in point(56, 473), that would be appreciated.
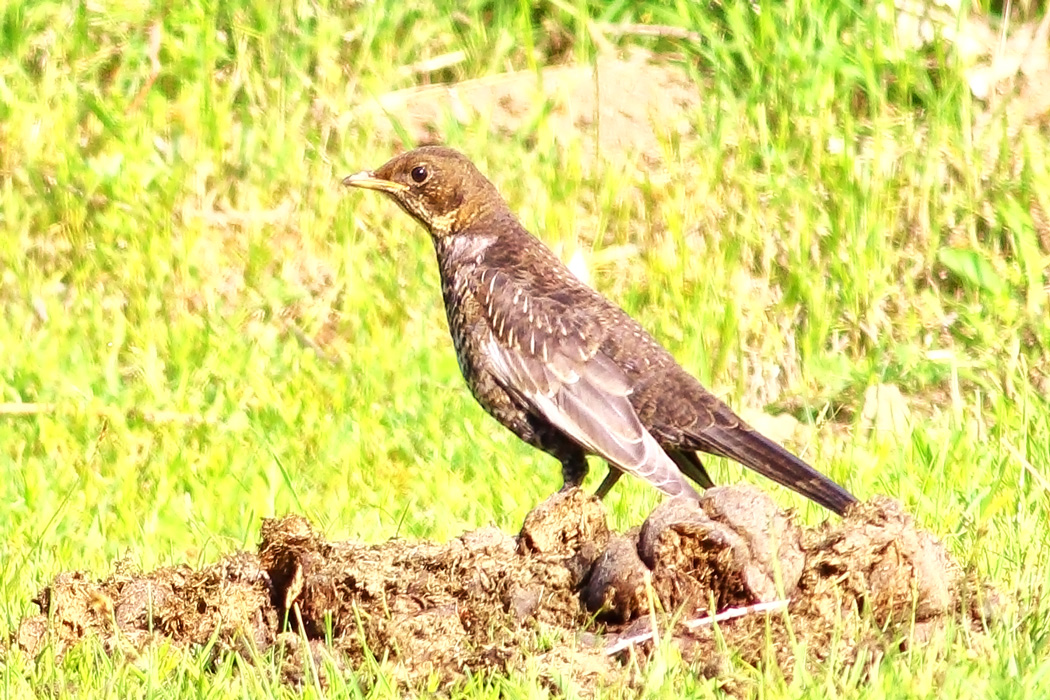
point(588, 401)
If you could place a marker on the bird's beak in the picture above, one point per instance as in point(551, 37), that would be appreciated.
point(366, 179)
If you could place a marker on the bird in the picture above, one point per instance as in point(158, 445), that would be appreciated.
point(558, 364)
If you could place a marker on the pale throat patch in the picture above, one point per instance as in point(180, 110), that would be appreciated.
point(442, 225)
point(463, 249)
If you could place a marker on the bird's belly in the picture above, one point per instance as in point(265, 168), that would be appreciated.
point(475, 365)
point(468, 333)
point(479, 377)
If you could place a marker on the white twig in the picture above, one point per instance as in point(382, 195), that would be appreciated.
point(25, 409)
point(658, 30)
point(148, 415)
point(729, 614)
point(430, 65)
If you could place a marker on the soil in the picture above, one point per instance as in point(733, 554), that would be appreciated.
point(567, 596)
point(575, 100)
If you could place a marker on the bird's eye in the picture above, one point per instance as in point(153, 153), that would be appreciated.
point(419, 174)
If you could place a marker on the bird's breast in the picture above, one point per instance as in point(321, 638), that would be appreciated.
point(467, 326)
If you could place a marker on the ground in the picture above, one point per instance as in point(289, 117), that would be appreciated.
point(582, 603)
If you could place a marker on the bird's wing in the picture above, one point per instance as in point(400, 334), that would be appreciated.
point(548, 356)
point(702, 422)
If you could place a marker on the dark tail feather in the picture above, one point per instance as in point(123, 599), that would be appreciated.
point(757, 452)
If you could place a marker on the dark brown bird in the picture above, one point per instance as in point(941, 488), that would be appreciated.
point(562, 367)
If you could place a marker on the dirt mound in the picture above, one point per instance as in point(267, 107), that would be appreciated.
point(567, 594)
point(573, 100)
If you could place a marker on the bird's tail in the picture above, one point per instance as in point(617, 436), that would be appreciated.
point(757, 452)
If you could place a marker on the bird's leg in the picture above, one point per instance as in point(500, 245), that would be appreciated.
point(573, 469)
point(608, 482)
point(689, 463)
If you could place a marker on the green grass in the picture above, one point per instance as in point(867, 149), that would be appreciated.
point(841, 214)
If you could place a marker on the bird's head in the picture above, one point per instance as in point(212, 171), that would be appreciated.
point(439, 187)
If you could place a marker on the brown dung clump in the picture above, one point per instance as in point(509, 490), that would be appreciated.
point(566, 595)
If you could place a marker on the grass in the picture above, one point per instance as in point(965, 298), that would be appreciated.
point(841, 214)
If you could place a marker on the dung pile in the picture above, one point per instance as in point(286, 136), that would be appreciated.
point(566, 595)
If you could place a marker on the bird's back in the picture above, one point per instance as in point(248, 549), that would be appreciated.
point(543, 300)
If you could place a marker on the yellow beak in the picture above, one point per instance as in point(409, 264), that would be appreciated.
point(367, 180)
